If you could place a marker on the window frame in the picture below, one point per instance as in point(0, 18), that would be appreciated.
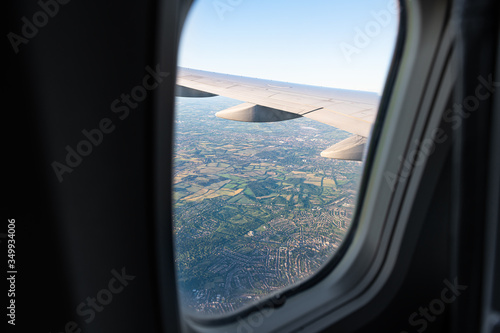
point(364, 261)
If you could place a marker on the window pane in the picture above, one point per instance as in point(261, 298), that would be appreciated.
point(257, 208)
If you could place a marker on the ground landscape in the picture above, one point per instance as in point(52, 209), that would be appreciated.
point(256, 207)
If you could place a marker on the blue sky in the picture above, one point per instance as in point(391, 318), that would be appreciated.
point(344, 44)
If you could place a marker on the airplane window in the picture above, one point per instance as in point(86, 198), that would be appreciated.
point(275, 104)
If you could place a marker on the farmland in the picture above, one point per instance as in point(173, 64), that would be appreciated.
point(256, 207)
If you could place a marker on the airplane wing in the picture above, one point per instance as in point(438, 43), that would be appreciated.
point(266, 100)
